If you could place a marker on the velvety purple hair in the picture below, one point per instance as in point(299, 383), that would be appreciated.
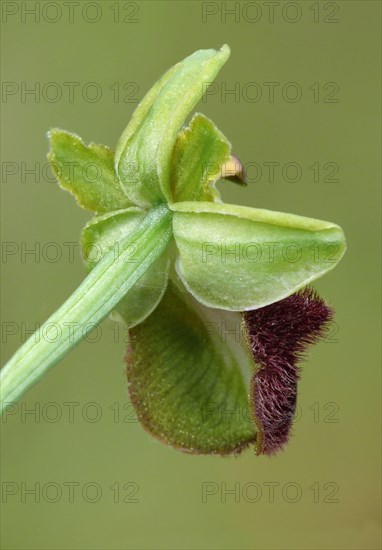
point(278, 335)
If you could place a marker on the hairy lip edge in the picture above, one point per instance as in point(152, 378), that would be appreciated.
point(278, 336)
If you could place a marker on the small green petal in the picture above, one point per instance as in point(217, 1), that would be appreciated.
point(104, 233)
point(240, 258)
point(189, 370)
point(200, 152)
point(144, 151)
point(86, 171)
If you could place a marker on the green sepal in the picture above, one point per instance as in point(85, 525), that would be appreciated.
point(87, 171)
point(199, 154)
point(104, 233)
point(189, 371)
point(240, 258)
point(144, 151)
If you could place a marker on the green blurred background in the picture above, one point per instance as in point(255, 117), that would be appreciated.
point(326, 483)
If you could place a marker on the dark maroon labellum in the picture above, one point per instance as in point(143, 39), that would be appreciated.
point(278, 336)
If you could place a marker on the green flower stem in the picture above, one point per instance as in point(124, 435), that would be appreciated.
point(94, 299)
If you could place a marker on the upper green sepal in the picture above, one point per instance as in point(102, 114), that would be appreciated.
point(87, 171)
point(144, 152)
point(238, 258)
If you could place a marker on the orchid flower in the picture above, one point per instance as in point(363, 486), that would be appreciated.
point(215, 296)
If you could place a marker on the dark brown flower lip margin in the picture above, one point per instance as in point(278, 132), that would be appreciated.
point(314, 331)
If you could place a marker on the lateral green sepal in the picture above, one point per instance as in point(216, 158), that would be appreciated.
point(104, 233)
point(238, 258)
